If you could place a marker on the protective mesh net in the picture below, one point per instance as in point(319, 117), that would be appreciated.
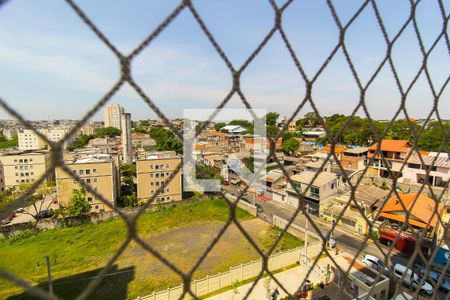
point(309, 81)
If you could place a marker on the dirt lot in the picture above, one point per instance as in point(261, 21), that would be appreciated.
point(184, 246)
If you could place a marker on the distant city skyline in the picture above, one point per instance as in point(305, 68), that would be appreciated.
point(54, 67)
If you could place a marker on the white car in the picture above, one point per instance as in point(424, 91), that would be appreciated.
point(373, 262)
point(412, 279)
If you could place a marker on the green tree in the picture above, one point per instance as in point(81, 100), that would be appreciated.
point(311, 119)
point(13, 142)
point(432, 138)
point(139, 129)
point(203, 171)
point(244, 123)
point(165, 140)
point(290, 146)
point(272, 130)
point(128, 195)
point(79, 205)
point(271, 118)
point(80, 142)
point(249, 162)
point(218, 126)
point(107, 132)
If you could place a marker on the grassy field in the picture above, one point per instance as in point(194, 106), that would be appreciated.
point(181, 233)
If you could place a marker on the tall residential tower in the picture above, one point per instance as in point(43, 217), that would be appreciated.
point(113, 115)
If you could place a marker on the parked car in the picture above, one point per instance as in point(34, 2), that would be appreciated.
point(374, 262)
point(259, 208)
point(20, 210)
point(331, 244)
point(5, 221)
point(243, 193)
point(412, 280)
point(433, 277)
point(234, 181)
point(47, 213)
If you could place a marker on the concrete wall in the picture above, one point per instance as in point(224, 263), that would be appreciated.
point(238, 273)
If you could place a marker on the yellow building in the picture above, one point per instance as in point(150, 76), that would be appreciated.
point(29, 140)
point(23, 167)
point(97, 170)
point(152, 170)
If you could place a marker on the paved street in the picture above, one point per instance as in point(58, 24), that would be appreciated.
point(347, 241)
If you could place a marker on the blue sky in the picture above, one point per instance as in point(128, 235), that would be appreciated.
point(53, 66)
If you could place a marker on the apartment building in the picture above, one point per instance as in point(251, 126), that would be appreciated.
point(394, 153)
point(113, 115)
point(97, 170)
point(152, 170)
point(29, 140)
point(23, 167)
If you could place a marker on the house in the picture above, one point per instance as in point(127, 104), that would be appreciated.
point(423, 220)
point(368, 198)
point(437, 164)
point(272, 179)
point(354, 159)
point(338, 149)
point(97, 170)
point(394, 153)
point(233, 129)
point(313, 135)
point(357, 280)
point(322, 186)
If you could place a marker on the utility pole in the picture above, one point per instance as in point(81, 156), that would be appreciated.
point(306, 233)
point(49, 273)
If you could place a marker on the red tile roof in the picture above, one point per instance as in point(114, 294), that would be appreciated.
point(392, 146)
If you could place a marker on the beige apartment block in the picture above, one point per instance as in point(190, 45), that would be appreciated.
point(29, 140)
point(152, 170)
point(23, 167)
point(97, 170)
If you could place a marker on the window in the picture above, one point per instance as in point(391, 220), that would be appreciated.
point(94, 170)
point(25, 160)
point(151, 166)
point(157, 167)
point(157, 175)
point(15, 160)
point(157, 183)
point(26, 167)
point(152, 183)
point(168, 190)
point(94, 179)
point(167, 174)
point(162, 175)
point(161, 166)
point(81, 172)
point(32, 173)
point(74, 171)
point(88, 172)
point(151, 175)
point(16, 167)
point(17, 174)
point(31, 167)
point(21, 167)
point(88, 180)
point(31, 159)
point(167, 166)
point(20, 160)
point(168, 198)
point(89, 198)
point(315, 192)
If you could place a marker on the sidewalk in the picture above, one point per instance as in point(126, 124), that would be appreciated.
point(291, 280)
